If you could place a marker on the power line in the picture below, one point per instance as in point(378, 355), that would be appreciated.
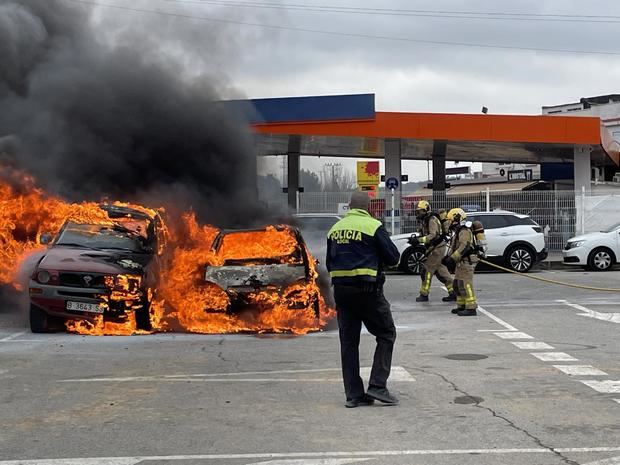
point(347, 34)
point(479, 15)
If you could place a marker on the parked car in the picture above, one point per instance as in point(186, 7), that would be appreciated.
point(514, 241)
point(597, 251)
point(255, 279)
point(92, 270)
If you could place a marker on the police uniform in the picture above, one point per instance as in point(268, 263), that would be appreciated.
point(358, 246)
point(434, 239)
point(462, 247)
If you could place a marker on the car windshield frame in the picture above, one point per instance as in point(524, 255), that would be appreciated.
point(99, 237)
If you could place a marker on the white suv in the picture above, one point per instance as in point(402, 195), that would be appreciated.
point(514, 240)
point(597, 251)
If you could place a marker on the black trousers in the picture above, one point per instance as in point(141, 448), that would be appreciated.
point(354, 307)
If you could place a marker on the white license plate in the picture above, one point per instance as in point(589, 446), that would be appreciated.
point(83, 307)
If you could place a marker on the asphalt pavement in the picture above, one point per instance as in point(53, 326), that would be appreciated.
point(534, 379)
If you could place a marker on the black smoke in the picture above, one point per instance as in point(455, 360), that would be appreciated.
point(100, 104)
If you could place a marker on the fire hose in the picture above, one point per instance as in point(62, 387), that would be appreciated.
point(549, 281)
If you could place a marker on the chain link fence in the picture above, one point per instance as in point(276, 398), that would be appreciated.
point(557, 212)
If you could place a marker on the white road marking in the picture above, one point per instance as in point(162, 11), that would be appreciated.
point(611, 317)
point(496, 319)
point(513, 335)
point(580, 370)
point(88, 461)
point(617, 400)
point(311, 461)
point(610, 461)
point(13, 336)
point(532, 345)
point(554, 357)
point(277, 455)
point(398, 374)
point(606, 387)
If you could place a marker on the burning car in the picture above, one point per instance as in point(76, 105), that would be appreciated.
point(262, 270)
point(99, 270)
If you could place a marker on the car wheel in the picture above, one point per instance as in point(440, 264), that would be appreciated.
point(601, 259)
point(412, 260)
point(520, 258)
point(39, 321)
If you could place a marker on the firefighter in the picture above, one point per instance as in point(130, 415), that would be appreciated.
point(358, 247)
point(464, 258)
point(435, 240)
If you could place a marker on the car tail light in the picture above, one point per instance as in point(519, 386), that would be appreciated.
point(538, 229)
point(46, 276)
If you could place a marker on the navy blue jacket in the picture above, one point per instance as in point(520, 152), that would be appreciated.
point(358, 247)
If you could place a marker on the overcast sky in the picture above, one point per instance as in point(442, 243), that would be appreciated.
point(406, 75)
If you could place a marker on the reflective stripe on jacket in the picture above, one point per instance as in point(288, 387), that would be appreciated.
point(358, 246)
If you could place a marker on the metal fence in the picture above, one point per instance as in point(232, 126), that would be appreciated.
point(559, 213)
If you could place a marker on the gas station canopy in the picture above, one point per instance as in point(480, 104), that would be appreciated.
point(349, 126)
point(468, 137)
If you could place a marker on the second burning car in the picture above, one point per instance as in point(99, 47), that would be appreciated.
point(262, 270)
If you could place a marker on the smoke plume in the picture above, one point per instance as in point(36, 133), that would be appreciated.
point(102, 104)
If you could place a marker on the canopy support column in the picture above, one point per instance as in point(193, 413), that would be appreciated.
point(393, 169)
point(293, 159)
point(439, 172)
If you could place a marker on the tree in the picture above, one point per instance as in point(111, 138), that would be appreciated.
point(310, 181)
point(337, 179)
point(269, 187)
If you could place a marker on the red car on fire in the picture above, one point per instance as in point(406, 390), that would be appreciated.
point(262, 269)
point(90, 271)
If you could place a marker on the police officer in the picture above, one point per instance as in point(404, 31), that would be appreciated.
point(465, 258)
point(435, 241)
point(358, 247)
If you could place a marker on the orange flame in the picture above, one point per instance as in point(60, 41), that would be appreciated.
point(184, 300)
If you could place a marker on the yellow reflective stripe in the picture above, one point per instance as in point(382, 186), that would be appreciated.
point(471, 298)
point(426, 284)
point(351, 273)
point(422, 240)
point(456, 255)
point(450, 288)
point(460, 300)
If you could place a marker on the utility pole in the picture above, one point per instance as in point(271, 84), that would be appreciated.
point(334, 170)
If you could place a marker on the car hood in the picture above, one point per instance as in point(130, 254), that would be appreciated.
point(398, 237)
point(256, 276)
point(93, 261)
point(589, 237)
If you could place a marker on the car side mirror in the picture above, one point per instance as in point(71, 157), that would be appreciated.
point(45, 239)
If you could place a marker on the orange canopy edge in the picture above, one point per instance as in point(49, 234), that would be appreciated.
point(455, 127)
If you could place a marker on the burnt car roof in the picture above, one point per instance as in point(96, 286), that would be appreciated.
point(122, 211)
point(217, 242)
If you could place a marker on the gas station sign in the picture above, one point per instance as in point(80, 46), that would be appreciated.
point(368, 173)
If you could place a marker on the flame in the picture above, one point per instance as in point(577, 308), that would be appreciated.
point(105, 328)
point(201, 307)
point(183, 300)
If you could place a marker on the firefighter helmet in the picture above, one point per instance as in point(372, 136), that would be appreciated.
point(457, 215)
point(422, 208)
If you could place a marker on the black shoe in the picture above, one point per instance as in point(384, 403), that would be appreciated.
point(382, 395)
point(449, 298)
point(363, 401)
point(467, 313)
point(455, 311)
point(421, 298)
